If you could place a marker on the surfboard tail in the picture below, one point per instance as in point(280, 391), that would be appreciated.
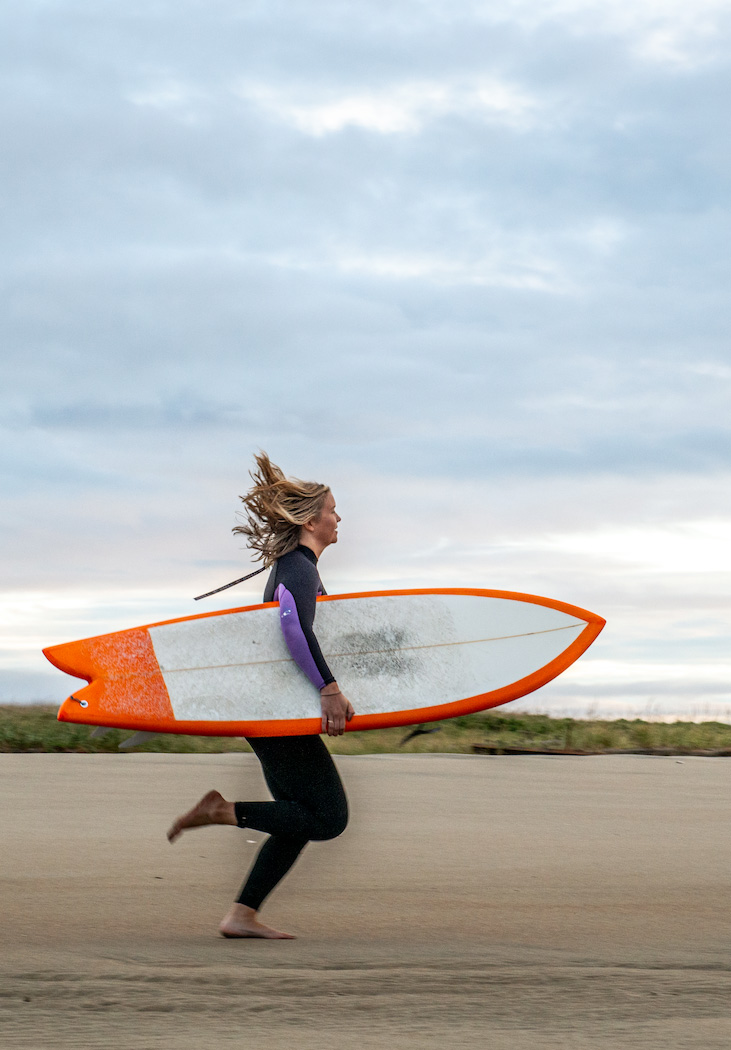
point(126, 688)
point(70, 659)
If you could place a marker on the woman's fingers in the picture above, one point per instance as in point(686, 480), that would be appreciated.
point(336, 711)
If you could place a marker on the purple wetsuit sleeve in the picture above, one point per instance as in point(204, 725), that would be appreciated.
point(294, 637)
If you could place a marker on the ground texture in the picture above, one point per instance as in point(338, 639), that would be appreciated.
point(523, 902)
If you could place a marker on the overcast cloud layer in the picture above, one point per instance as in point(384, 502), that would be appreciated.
point(470, 268)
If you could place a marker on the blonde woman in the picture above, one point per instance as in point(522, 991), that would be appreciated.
point(289, 523)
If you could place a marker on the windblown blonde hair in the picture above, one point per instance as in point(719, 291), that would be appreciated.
point(276, 509)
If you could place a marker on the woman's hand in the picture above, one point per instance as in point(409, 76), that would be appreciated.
point(336, 710)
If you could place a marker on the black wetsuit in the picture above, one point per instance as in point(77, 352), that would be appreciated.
point(310, 801)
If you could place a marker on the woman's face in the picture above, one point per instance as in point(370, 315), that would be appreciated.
point(325, 528)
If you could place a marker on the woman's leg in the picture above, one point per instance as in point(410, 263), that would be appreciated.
point(301, 775)
point(310, 803)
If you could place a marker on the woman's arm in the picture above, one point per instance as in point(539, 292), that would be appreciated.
point(299, 636)
point(297, 597)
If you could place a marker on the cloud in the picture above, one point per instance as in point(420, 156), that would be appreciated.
point(657, 31)
point(683, 547)
point(403, 107)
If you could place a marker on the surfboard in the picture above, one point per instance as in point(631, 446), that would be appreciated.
point(401, 657)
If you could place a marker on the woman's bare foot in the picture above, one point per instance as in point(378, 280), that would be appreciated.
point(241, 921)
point(212, 809)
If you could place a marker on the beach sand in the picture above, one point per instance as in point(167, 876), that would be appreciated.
point(525, 903)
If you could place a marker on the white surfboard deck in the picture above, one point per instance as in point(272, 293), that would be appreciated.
point(389, 653)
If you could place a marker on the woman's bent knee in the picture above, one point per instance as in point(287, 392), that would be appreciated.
point(332, 824)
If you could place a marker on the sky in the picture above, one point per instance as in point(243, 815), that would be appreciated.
point(468, 264)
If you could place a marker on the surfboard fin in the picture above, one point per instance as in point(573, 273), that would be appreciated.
point(419, 731)
point(136, 739)
point(98, 731)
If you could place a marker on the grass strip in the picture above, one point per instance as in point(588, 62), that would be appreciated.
point(34, 728)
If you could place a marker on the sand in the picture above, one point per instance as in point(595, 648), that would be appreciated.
point(522, 902)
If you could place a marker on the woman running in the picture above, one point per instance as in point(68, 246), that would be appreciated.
point(289, 523)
